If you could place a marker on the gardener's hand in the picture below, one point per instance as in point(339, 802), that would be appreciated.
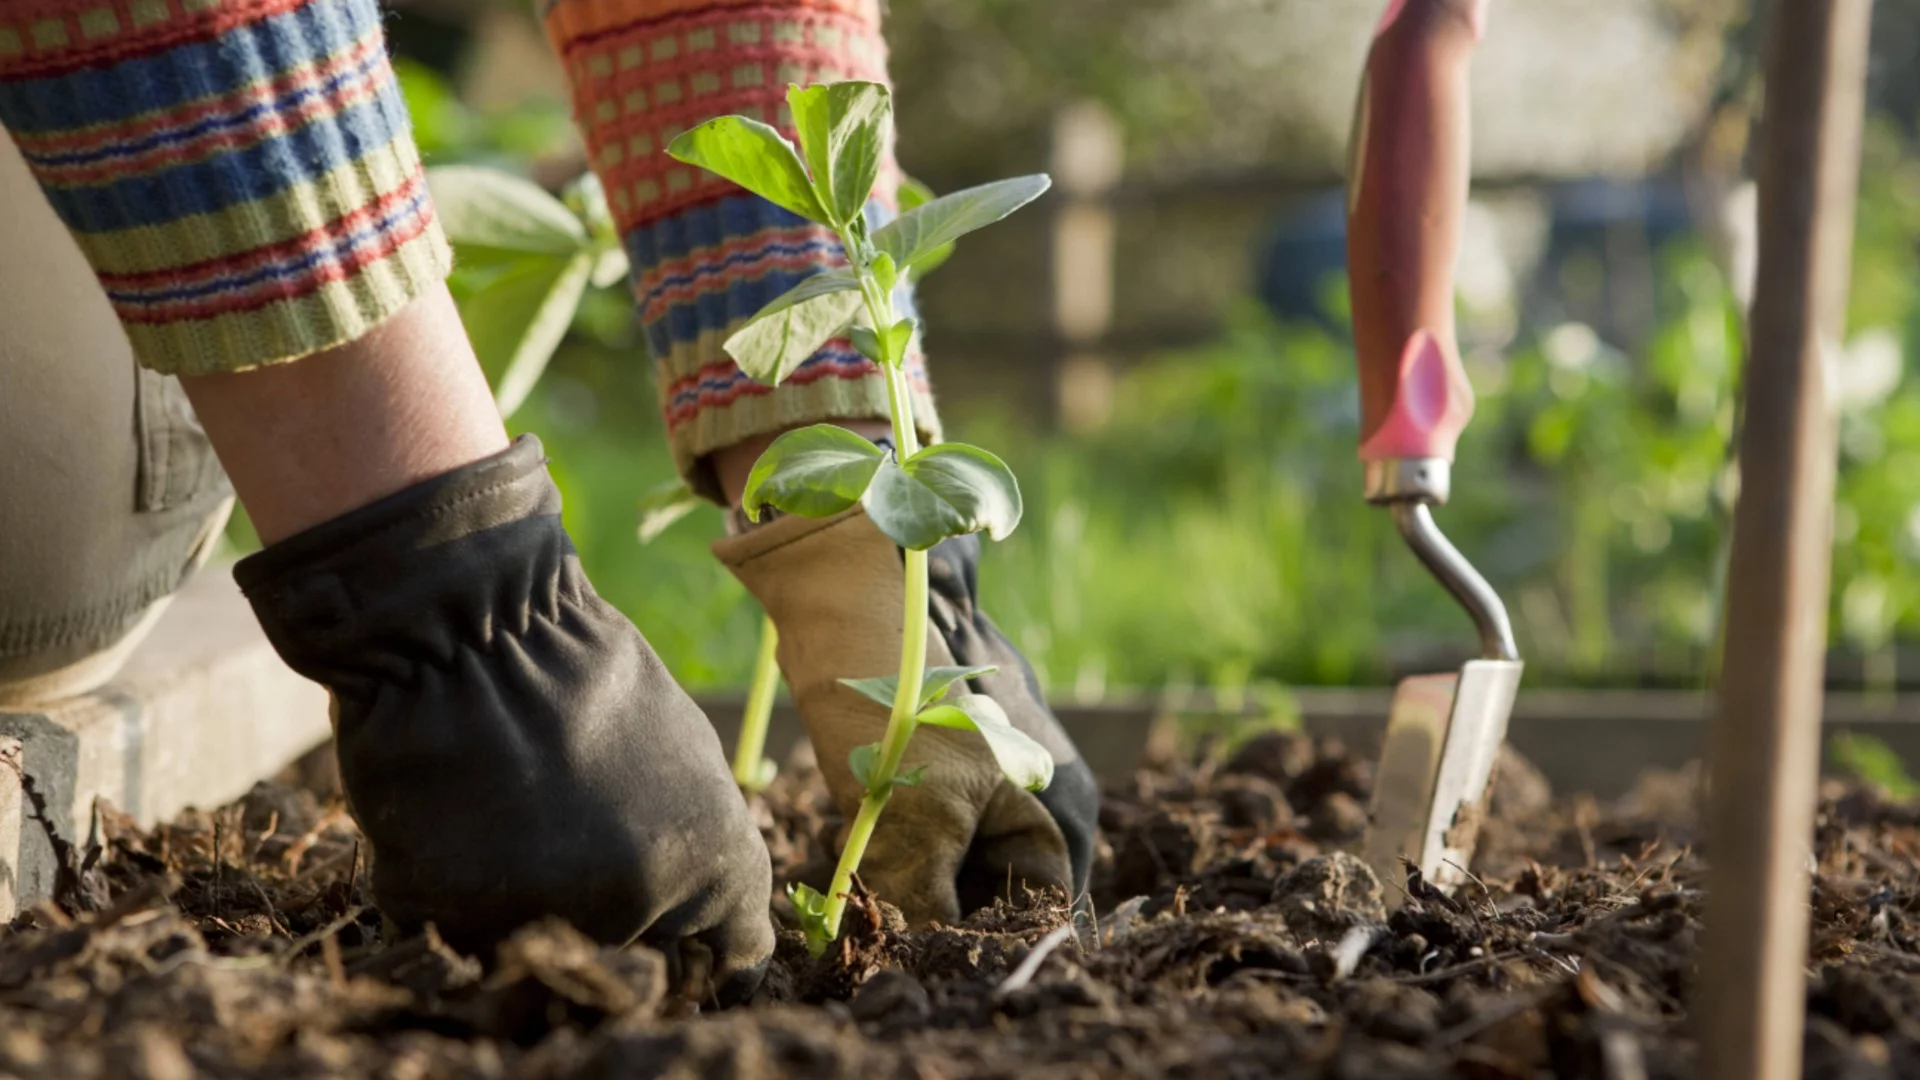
point(965, 834)
point(508, 741)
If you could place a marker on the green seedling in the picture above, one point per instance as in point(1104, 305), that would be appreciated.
point(917, 496)
point(525, 261)
point(752, 769)
point(1872, 761)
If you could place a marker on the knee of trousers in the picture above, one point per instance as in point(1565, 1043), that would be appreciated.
point(110, 495)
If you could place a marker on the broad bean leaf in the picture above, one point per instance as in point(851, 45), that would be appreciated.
point(939, 679)
point(889, 348)
point(664, 505)
point(862, 760)
point(824, 283)
point(881, 689)
point(517, 319)
point(921, 232)
point(1021, 759)
point(810, 907)
point(943, 491)
point(778, 341)
point(843, 133)
point(756, 157)
point(913, 195)
point(487, 208)
point(935, 683)
point(814, 472)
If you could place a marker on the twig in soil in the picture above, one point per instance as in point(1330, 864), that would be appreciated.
point(324, 934)
point(1023, 974)
point(1486, 894)
point(1457, 970)
point(273, 826)
point(297, 850)
point(1500, 1013)
point(273, 914)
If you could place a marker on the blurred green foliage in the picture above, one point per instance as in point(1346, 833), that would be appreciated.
point(1872, 761)
point(1213, 534)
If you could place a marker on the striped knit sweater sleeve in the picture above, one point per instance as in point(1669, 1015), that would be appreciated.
point(239, 173)
point(706, 255)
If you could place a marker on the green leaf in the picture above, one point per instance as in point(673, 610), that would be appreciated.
point(943, 491)
point(814, 472)
point(862, 760)
point(889, 348)
point(773, 345)
point(882, 690)
point(843, 132)
point(488, 208)
point(663, 506)
point(756, 157)
point(918, 233)
point(913, 777)
point(518, 318)
point(940, 678)
point(824, 283)
point(609, 267)
point(868, 343)
point(810, 906)
point(885, 274)
point(913, 195)
point(1024, 761)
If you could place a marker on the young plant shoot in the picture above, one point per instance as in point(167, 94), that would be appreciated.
point(917, 496)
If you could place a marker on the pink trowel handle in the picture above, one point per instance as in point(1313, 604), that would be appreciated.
point(1406, 196)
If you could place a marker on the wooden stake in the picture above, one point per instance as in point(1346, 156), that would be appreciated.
point(1764, 743)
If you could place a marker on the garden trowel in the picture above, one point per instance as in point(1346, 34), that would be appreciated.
point(1407, 188)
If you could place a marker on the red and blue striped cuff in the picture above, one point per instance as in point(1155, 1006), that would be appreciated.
point(241, 176)
point(706, 255)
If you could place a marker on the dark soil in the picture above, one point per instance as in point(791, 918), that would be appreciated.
point(1234, 937)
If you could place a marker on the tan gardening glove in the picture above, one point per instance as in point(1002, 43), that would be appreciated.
point(834, 589)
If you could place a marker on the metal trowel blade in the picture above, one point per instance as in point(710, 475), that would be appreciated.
point(1443, 735)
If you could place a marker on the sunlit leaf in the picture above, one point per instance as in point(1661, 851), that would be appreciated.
point(939, 679)
point(756, 157)
point(773, 346)
point(920, 232)
point(518, 318)
point(1021, 759)
point(810, 907)
point(913, 195)
point(862, 760)
point(943, 491)
point(489, 208)
point(882, 689)
point(843, 132)
point(664, 505)
point(813, 472)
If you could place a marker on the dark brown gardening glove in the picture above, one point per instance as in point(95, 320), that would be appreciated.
point(509, 743)
point(834, 589)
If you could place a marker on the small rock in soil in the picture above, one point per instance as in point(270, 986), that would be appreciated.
point(1325, 897)
point(1251, 802)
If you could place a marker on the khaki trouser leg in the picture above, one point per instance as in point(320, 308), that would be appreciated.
point(110, 496)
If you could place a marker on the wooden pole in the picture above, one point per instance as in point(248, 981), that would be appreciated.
point(1764, 743)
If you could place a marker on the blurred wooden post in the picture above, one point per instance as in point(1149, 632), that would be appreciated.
point(1087, 161)
point(1764, 743)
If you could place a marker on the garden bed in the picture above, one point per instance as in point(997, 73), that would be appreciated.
point(1233, 938)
